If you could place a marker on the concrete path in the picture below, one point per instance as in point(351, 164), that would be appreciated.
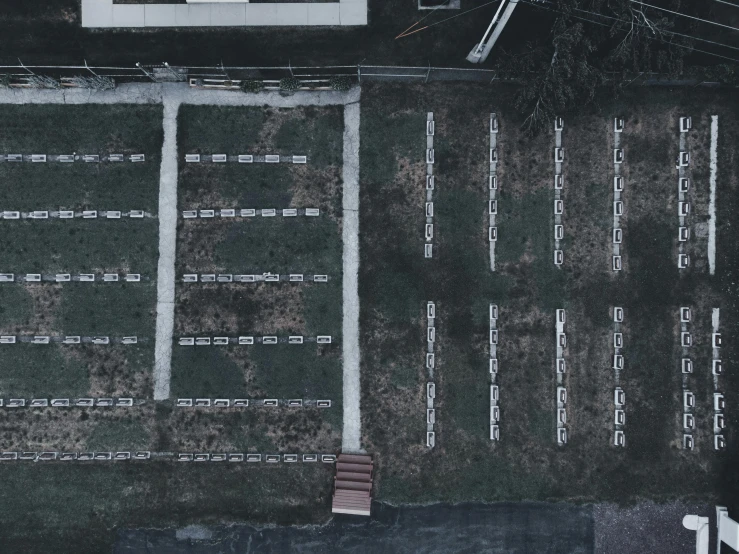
point(712, 201)
point(217, 13)
point(351, 436)
point(167, 252)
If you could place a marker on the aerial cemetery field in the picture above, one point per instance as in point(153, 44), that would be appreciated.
point(63, 307)
point(532, 457)
point(299, 247)
point(55, 249)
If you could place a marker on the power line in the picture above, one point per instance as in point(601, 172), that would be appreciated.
point(448, 18)
point(424, 17)
point(686, 15)
point(538, 5)
point(729, 3)
point(661, 30)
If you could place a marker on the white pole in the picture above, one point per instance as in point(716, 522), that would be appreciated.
point(495, 18)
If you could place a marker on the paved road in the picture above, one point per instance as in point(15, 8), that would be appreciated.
point(510, 528)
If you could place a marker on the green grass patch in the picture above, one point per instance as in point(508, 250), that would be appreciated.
point(380, 155)
point(84, 129)
point(323, 308)
point(319, 136)
point(40, 371)
point(207, 372)
point(16, 305)
point(281, 245)
point(118, 434)
point(157, 494)
point(108, 309)
point(219, 129)
point(80, 246)
point(297, 371)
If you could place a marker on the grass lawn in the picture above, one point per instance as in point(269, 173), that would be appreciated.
point(80, 246)
point(307, 245)
point(84, 129)
point(151, 494)
point(395, 283)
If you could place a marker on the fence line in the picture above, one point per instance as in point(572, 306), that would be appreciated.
point(168, 73)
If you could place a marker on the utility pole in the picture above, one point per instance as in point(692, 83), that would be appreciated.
point(481, 50)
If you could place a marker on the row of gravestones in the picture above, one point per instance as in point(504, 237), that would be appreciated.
point(224, 341)
point(619, 415)
point(70, 402)
point(618, 206)
point(717, 369)
point(683, 204)
point(494, 389)
point(67, 277)
point(428, 248)
point(70, 158)
point(66, 339)
point(266, 277)
point(148, 455)
point(71, 214)
point(493, 189)
point(246, 402)
point(249, 212)
point(245, 158)
point(559, 157)
point(430, 367)
point(561, 345)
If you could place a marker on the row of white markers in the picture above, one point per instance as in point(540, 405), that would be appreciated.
point(67, 277)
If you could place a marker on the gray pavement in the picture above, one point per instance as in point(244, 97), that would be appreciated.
point(501, 528)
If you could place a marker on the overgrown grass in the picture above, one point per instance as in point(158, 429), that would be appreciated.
point(80, 246)
point(41, 371)
point(395, 283)
point(84, 129)
point(161, 494)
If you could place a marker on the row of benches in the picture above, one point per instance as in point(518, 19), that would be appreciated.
point(224, 341)
point(249, 212)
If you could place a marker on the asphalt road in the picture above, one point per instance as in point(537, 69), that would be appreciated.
point(511, 528)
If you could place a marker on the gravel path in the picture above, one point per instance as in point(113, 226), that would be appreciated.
point(351, 435)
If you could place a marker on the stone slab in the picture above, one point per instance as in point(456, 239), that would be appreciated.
point(97, 13)
point(276, 14)
point(128, 15)
point(160, 15)
point(227, 15)
point(324, 14)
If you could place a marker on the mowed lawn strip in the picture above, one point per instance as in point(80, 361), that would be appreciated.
point(305, 131)
point(81, 129)
point(526, 463)
point(151, 493)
